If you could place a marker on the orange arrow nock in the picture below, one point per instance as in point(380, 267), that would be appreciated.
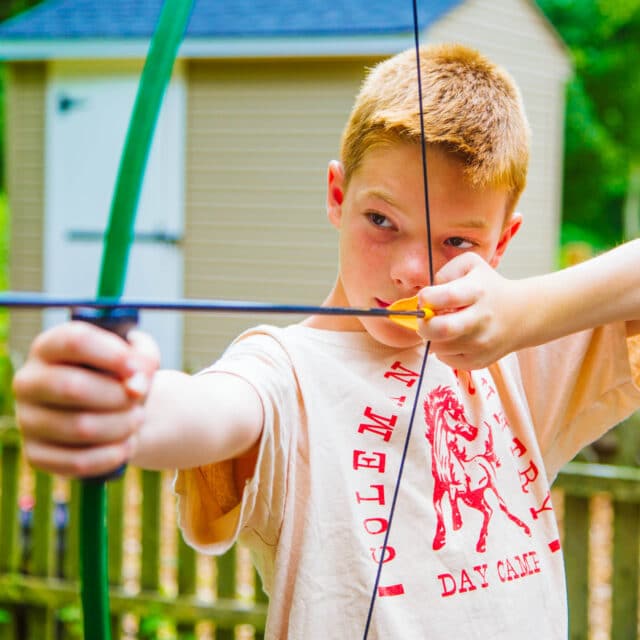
point(409, 304)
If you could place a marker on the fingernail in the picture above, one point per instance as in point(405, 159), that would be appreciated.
point(137, 384)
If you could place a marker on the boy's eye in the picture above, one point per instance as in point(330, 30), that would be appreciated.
point(459, 243)
point(378, 220)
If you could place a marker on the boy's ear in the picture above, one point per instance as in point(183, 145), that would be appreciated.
point(335, 192)
point(511, 227)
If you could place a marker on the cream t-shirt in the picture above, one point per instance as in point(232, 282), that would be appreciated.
point(473, 548)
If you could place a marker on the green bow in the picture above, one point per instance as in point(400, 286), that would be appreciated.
point(153, 82)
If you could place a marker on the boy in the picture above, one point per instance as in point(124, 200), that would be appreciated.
point(293, 439)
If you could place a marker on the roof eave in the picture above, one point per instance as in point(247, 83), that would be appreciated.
point(227, 47)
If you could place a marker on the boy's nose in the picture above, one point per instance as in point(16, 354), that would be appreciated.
point(411, 269)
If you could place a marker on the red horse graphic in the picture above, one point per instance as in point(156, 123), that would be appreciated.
point(463, 464)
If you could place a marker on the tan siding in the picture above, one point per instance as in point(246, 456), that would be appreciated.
point(259, 137)
point(25, 184)
point(515, 34)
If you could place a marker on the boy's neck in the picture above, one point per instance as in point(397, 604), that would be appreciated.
point(336, 298)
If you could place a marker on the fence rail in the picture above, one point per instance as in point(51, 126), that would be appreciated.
point(39, 591)
point(39, 579)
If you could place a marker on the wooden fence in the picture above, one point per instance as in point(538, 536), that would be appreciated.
point(38, 579)
point(39, 596)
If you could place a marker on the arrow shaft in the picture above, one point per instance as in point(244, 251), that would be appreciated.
point(24, 300)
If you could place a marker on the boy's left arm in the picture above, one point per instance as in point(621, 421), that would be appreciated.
point(481, 316)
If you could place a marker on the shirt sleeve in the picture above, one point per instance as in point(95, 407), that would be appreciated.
point(213, 510)
point(578, 387)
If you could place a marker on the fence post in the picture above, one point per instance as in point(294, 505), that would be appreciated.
point(115, 541)
point(226, 581)
point(42, 619)
point(576, 557)
point(9, 529)
point(151, 484)
point(259, 596)
point(626, 564)
point(70, 559)
point(187, 572)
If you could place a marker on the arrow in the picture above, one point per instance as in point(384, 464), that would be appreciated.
point(404, 312)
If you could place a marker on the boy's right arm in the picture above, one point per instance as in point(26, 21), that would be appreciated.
point(86, 402)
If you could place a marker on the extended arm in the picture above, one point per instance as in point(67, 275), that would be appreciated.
point(86, 402)
point(593, 293)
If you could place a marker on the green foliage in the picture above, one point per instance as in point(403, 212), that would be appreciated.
point(6, 368)
point(3, 153)
point(71, 618)
point(602, 138)
point(10, 8)
point(155, 625)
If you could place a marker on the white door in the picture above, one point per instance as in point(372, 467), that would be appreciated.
point(87, 115)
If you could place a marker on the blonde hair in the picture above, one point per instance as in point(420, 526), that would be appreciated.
point(472, 108)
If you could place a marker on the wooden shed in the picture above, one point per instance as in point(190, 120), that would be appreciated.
point(234, 199)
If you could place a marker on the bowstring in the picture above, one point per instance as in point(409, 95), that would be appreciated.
point(423, 366)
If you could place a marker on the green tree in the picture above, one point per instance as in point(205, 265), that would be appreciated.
point(602, 147)
point(602, 140)
point(9, 8)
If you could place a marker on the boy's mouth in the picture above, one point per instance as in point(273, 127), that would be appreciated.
point(382, 303)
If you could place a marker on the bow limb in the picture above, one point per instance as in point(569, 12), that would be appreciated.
point(153, 82)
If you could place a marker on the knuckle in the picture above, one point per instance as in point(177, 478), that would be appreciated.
point(95, 462)
point(84, 465)
point(29, 420)
point(38, 344)
point(84, 428)
point(444, 331)
point(70, 387)
point(80, 466)
point(77, 337)
point(21, 382)
point(455, 299)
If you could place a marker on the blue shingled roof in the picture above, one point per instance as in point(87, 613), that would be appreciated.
point(134, 19)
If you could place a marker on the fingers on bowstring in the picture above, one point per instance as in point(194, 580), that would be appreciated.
point(451, 330)
point(455, 287)
point(459, 267)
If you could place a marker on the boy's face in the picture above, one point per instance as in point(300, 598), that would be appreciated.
point(383, 239)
